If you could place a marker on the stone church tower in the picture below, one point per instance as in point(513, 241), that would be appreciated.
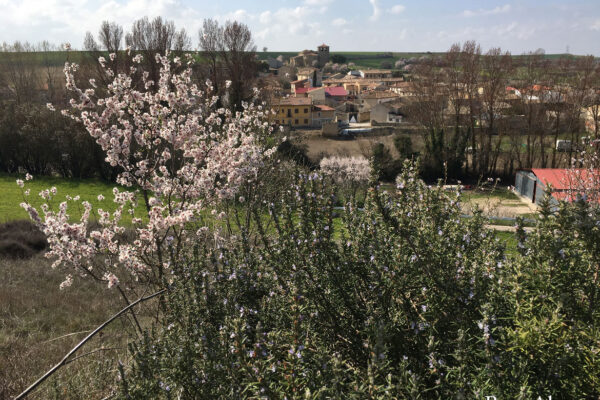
point(323, 55)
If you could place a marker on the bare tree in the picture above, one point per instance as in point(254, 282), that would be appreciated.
point(497, 67)
point(89, 43)
point(154, 36)
point(581, 85)
point(211, 38)
point(529, 105)
point(231, 56)
point(593, 102)
point(157, 36)
point(109, 40)
point(182, 41)
point(110, 36)
point(19, 73)
point(239, 58)
point(470, 61)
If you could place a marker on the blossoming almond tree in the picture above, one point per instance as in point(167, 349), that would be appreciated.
point(178, 154)
point(343, 169)
point(349, 173)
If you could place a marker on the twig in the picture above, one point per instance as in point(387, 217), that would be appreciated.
point(63, 336)
point(92, 352)
point(84, 341)
point(132, 312)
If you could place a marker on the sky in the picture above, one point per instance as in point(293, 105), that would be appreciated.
point(344, 25)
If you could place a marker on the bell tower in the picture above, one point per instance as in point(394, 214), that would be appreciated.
point(323, 55)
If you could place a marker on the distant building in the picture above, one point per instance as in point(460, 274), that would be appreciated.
point(293, 111)
point(299, 84)
point(376, 73)
point(323, 55)
point(368, 100)
point(386, 113)
point(322, 114)
point(320, 95)
point(314, 76)
point(274, 63)
point(532, 183)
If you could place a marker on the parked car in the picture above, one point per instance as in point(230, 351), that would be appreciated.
point(563, 145)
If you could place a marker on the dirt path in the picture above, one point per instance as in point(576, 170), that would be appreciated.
point(505, 228)
point(498, 207)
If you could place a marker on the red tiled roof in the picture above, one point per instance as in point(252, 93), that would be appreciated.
point(336, 91)
point(324, 107)
point(302, 90)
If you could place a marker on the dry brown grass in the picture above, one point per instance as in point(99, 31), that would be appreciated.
point(39, 324)
point(21, 239)
point(319, 146)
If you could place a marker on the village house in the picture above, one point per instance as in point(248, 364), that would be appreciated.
point(323, 95)
point(356, 85)
point(299, 84)
point(313, 75)
point(322, 114)
point(376, 73)
point(370, 99)
point(386, 113)
point(403, 89)
point(293, 111)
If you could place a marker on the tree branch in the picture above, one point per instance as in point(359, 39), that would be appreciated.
point(84, 341)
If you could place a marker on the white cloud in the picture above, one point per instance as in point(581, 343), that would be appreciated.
point(286, 21)
point(339, 22)
point(596, 25)
point(402, 34)
point(376, 10)
point(265, 17)
point(397, 9)
point(317, 2)
point(237, 15)
point(67, 20)
point(483, 12)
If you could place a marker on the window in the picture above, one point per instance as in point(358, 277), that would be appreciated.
point(296, 121)
point(305, 110)
point(276, 121)
point(306, 121)
point(289, 113)
point(296, 111)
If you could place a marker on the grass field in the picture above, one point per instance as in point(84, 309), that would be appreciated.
point(12, 195)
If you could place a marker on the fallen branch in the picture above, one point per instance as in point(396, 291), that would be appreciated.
point(84, 341)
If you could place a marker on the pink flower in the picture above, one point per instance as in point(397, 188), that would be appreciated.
point(168, 139)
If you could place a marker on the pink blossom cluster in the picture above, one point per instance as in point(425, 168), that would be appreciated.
point(347, 169)
point(179, 153)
